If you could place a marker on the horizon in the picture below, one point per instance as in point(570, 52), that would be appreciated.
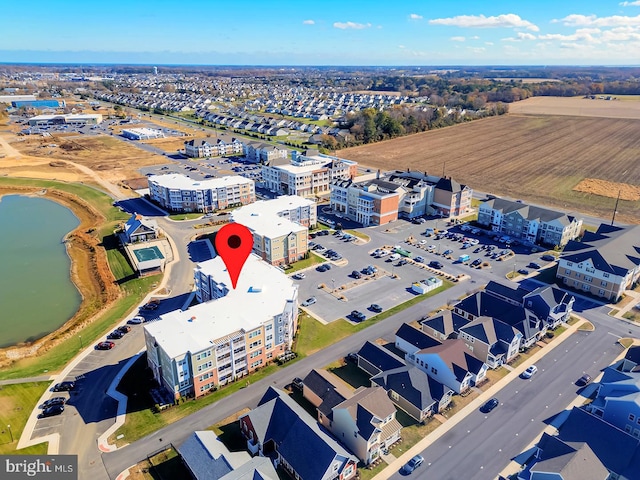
point(285, 33)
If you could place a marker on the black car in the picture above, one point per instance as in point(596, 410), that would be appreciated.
point(435, 264)
point(54, 401)
point(490, 405)
point(352, 357)
point(548, 258)
point(64, 386)
point(51, 411)
point(124, 329)
point(375, 307)
point(297, 382)
point(356, 274)
point(533, 265)
point(584, 380)
point(523, 271)
point(358, 316)
point(115, 335)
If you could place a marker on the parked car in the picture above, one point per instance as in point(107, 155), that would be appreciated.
point(447, 252)
point(137, 320)
point(402, 262)
point(352, 357)
point(530, 371)
point(412, 464)
point(419, 259)
point(356, 274)
point(105, 345)
point(533, 265)
point(54, 401)
point(523, 271)
point(358, 316)
point(297, 383)
point(323, 268)
point(435, 264)
point(584, 380)
point(309, 301)
point(548, 258)
point(299, 276)
point(64, 386)
point(375, 307)
point(51, 411)
point(476, 262)
point(124, 329)
point(115, 335)
point(490, 405)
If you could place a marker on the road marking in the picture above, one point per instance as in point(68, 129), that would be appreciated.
point(614, 335)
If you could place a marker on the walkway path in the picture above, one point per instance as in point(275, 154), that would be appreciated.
point(13, 381)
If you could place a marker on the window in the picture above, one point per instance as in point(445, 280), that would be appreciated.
point(632, 417)
point(434, 371)
point(603, 283)
point(605, 275)
point(255, 344)
point(627, 428)
point(567, 272)
point(569, 264)
point(255, 333)
point(588, 279)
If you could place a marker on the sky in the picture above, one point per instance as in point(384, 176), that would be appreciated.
point(323, 32)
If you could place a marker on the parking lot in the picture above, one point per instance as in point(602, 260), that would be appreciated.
point(388, 291)
point(206, 168)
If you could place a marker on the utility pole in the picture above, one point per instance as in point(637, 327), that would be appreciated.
point(10, 432)
point(615, 209)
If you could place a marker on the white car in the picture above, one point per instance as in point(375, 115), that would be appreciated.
point(137, 320)
point(299, 276)
point(309, 301)
point(530, 372)
point(394, 257)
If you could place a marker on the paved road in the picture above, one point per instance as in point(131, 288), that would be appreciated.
point(481, 445)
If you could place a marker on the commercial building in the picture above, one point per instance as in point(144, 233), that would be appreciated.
point(142, 133)
point(79, 119)
point(179, 193)
point(400, 194)
point(307, 174)
point(259, 152)
point(529, 223)
point(279, 227)
point(230, 334)
point(38, 103)
point(605, 263)
point(17, 98)
point(208, 147)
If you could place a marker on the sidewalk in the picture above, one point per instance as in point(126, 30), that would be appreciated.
point(394, 466)
point(635, 296)
point(42, 378)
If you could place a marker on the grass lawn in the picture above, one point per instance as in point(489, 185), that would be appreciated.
point(16, 403)
point(320, 226)
point(229, 433)
point(547, 275)
point(185, 216)
point(367, 473)
point(493, 376)
point(634, 316)
point(306, 263)
point(524, 357)
point(351, 374)
point(586, 327)
point(572, 320)
point(163, 465)
point(626, 342)
point(412, 432)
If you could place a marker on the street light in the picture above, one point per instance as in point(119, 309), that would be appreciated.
point(514, 268)
point(10, 432)
point(81, 344)
point(333, 283)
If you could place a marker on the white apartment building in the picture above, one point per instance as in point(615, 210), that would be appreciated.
point(279, 227)
point(209, 147)
point(179, 193)
point(230, 334)
point(307, 175)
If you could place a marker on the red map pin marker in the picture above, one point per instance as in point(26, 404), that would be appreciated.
point(234, 243)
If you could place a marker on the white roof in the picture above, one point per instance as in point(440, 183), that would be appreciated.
point(261, 294)
point(68, 116)
point(297, 169)
point(267, 224)
point(284, 203)
point(182, 182)
point(143, 131)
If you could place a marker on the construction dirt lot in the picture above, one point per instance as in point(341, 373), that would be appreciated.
point(538, 158)
point(619, 107)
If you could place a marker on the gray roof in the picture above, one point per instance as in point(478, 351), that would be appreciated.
point(611, 249)
point(367, 407)
point(258, 468)
point(412, 384)
point(379, 357)
point(529, 212)
point(618, 451)
point(490, 330)
point(576, 462)
point(207, 457)
point(455, 355)
point(445, 322)
point(415, 337)
point(323, 388)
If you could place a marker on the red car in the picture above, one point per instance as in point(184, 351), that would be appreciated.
point(105, 345)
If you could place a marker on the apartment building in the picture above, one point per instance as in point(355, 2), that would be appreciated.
point(179, 193)
point(529, 223)
point(280, 227)
point(399, 194)
point(231, 333)
point(605, 263)
point(259, 152)
point(450, 198)
point(307, 174)
point(374, 202)
point(209, 147)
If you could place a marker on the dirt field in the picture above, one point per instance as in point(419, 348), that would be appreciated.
point(609, 189)
point(577, 106)
point(111, 158)
point(170, 144)
point(536, 158)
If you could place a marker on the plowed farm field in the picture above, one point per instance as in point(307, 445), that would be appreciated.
point(535, 158)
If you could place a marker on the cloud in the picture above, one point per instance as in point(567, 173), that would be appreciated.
point(401, 46)
point(577, 20)
point(457, 39)
point(509, 20)
point(475, 37)
point(488, 43)
point(415, 16)
point(585, 35)
point(351, 25)
point(630, 4)
point(477, 49)
point(521, 36)
point(309, 22)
